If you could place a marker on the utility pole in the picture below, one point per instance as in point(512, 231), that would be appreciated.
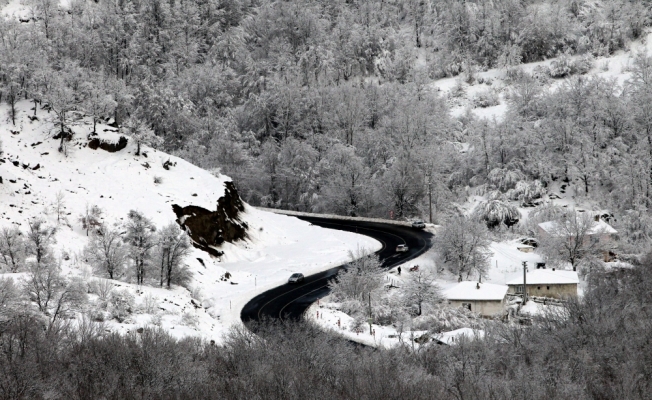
point(430, 199)
point(524, 283)
point(370, 320)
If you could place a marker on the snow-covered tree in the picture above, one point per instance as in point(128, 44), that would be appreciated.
point(53, 294)
point(362, 276)
point(463, 246)
point(140, 132)
point(98, 100)
point(106, 252)
point(39, 240)
point(172, 247)
point(141, 239)
point(421, 288)
point(571, 239)
point(91, 218)
point(12, 248)
point(496, 211)
point(505, 179)
point(527, 191)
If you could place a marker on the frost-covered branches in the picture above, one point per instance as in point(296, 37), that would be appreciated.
point(421, 288)
point(527, 191)
point(362, 276)
point(173, 246)
point(12, 248)
point(505, 179)
point(140, 132)
point(495, 212)
point(141, 239)
point(38, 241)
point(106, 252)
point(571, 238)
point(463, 246)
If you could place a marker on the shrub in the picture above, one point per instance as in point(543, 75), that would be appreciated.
point(122, 305)
point(486, 98)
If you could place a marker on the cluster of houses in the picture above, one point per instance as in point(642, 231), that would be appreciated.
point(489, 299)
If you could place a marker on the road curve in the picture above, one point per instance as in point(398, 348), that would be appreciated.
point(291, 301)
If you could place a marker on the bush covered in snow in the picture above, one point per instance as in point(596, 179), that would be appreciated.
point(527, 191)
point(486, 98)
point(504, 178)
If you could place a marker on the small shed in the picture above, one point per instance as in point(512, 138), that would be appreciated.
point(547, 283)
point(486, 299)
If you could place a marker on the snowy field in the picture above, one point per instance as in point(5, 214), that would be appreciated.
point(34, 172)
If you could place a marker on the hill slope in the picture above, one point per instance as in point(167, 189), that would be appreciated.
point(35, 173)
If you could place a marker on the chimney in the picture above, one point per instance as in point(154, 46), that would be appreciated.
point(478, 286)
point(553, 269)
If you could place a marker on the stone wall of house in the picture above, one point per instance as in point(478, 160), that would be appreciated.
point(558, 291)
point(486, 308)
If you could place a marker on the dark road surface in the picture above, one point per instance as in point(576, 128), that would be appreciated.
point(291, 301)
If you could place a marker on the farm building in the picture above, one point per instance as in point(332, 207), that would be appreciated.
point(546, 283)
point(486, 299)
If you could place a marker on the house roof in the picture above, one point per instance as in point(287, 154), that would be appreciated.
point(547, 276)
point(453, 337)
point(599, 226)
point(468, 290)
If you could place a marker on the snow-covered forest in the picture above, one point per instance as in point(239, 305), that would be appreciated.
point(518, 127)
point(330, 107)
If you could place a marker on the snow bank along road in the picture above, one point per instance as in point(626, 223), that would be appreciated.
point(290, 301)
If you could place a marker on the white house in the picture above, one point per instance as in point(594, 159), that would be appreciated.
point(546, 283)
point(486, 299)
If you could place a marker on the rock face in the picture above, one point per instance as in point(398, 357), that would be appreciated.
point(212, 228)
point(96, 143)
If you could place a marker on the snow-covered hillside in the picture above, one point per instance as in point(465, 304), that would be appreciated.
point(35, 173)
point(494, 83)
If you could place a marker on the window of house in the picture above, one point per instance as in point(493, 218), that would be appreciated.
point(538, 287)
point(547, 287)
point(519, 289)
point(467, 306)
point(595, 239)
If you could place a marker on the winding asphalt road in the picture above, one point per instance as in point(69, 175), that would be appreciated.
point(291, 301)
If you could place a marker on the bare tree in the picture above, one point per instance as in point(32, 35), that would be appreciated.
point(105, 251)
point(59, 206)
point(173, 246)
point(463, 246)
point(12, 248)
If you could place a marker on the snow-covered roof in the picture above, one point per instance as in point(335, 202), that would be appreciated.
point(453, 337)
point(598, 227)
point(469, 291)
point(547, 276)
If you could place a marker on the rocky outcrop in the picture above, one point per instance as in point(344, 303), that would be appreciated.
point(96, 143)
point(212, 228)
